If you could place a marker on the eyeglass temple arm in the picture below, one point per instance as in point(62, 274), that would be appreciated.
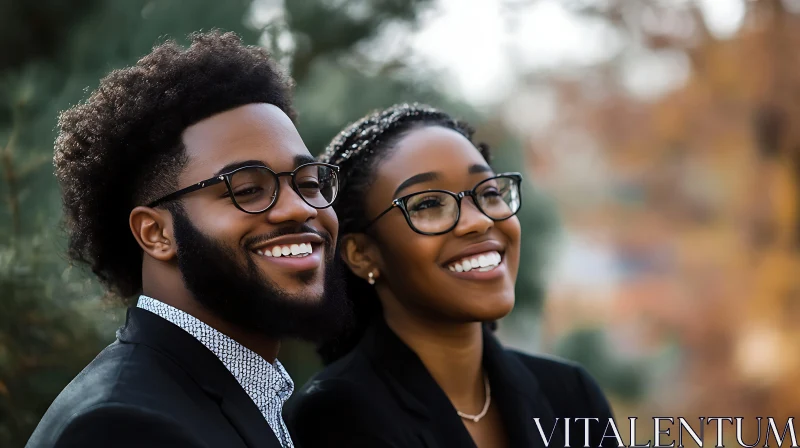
point(187, 190)
point(516, 175)
point(395, 203)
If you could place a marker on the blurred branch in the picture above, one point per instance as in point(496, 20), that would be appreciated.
point(10, 175)
point(32, 165)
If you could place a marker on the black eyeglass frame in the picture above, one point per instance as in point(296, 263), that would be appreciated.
point(226, 177)
point(402, 201)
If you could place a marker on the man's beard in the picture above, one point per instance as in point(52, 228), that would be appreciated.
point(243, 296)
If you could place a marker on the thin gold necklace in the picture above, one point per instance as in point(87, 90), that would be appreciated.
point(477, 418)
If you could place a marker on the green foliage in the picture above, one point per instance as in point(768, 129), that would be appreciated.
point(590, 348)
point(37, 28)
point(332, 28)
point(333, 95)
point(53, 323)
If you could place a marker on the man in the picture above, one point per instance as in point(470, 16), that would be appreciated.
point(186, 184)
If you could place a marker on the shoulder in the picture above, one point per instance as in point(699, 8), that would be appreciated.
point(340, 412)
point(568, 386)
point(115, 424)
point(344, 405)
point(349, 385)
point(124, 373)
point(337, 398)
point(124, 386)
point(549, 368)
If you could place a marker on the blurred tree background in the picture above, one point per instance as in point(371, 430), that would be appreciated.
point(53, 317)
point(693, 188)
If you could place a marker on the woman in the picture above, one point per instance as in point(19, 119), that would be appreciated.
point(430, 237)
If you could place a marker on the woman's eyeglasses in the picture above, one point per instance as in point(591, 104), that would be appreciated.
point(436, 212)
point(254, 189)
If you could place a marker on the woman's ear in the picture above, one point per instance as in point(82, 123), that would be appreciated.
point(153, 231)
point(360, 254)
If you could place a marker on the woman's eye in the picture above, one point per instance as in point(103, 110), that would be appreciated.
point(490, 193)
point(426, 203)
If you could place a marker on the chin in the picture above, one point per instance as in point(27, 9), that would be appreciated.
point(490, 308)
point(310, 293)
point(314, 278)
point(498, 312)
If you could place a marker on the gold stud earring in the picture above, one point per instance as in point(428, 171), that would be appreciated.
point(371, 279)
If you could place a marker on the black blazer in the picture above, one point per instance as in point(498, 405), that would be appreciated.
point(156, 386)
point(381, 395)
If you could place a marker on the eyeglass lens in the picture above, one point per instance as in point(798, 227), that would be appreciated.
point(435, 211)
point(254, 189)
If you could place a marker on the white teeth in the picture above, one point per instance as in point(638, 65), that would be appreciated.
point(295, 250)
point(483, 262)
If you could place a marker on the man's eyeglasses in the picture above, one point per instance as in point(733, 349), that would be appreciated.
point(254, 189)
point(436, 212)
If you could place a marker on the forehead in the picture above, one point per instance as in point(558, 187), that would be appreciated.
point(251, 132)
point(433, 148)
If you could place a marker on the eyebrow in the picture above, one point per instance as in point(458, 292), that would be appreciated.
point(429, 176)
point(416, 179)
point(299, 159)
point(302, 159)
point(236, 165)
point(477, 169)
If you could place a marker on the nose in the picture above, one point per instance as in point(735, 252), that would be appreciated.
point(472, 220)
point(289, 206)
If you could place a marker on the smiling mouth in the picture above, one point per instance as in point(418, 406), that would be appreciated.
point(286, 250)
point(483, 262)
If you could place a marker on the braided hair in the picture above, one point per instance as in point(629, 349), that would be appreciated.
point(358, 150)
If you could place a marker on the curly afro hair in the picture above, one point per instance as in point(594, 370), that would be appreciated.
point(358, 150)
point(122, 147)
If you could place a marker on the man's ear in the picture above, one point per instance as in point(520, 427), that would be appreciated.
point(360, 254)
point(153, 231)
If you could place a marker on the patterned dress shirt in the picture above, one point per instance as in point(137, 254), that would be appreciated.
point(267, 384)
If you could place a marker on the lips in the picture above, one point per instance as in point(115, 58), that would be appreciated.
point(295, 252)
point(482, 261)
point(474, 251)
point(288, 240)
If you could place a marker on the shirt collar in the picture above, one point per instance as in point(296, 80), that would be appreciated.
point(259, 378)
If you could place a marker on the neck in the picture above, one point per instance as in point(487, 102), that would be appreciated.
point(451, 352)
point(175, 294)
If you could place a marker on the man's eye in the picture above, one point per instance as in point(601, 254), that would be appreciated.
point(308, 185)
